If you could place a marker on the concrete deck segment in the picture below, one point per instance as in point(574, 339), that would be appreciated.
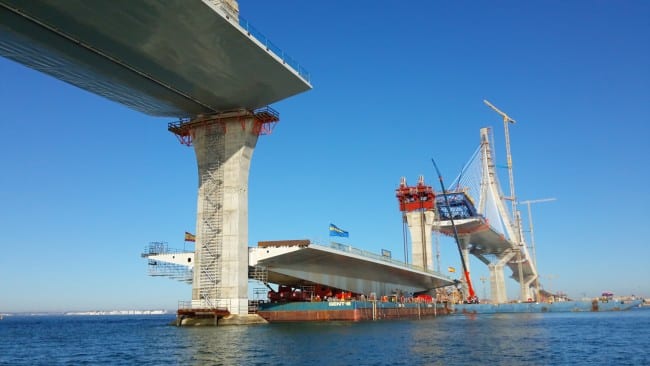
point(483, 238)
point(484, 242)
point(348, 270)
point(176, 58)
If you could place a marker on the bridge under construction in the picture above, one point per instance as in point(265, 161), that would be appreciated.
point(204, 65)
point(475, 212)
point(484, 226)
point(482, 223)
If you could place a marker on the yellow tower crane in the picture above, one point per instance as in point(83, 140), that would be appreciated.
point(506, 121)
point(516, 217)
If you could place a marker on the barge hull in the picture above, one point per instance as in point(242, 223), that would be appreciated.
point(556, 307)
point(347, 311)
point(368, 310)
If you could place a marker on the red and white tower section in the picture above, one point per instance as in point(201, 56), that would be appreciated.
point(417, 204)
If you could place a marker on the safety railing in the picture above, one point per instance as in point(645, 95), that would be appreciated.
point(270, 46)
point(363, 253)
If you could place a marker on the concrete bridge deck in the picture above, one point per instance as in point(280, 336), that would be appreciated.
point(173, 58)
point(343, 267)
point(484, 241)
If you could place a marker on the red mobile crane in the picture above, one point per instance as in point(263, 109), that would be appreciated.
point(471, 298)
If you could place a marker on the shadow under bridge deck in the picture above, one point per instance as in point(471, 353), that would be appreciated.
point(173, 58)
point(343, 267)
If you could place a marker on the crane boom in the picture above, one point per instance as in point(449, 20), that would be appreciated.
point(471, 298)
point(506, 118)
point(537, 201)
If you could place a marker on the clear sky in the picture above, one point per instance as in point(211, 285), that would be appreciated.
point(86, 183)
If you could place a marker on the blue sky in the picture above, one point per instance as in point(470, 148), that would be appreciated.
point(87, 183)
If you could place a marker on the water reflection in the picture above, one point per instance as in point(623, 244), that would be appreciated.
point(508, 339)
point(503, 339)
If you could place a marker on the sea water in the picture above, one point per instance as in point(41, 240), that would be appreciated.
point(608, 338)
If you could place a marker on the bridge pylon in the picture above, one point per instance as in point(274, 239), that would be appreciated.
point(485, 226)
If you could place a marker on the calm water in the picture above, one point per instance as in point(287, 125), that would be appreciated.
point(617, 338)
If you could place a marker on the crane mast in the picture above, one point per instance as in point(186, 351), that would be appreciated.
point(511, 180)
point(532, 236)
point(516, 217)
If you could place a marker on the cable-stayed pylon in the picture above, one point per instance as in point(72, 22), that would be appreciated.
point(478, 179)
point(486, 228)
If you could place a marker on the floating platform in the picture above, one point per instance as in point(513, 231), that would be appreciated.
point(352, 310)
point(555, 307)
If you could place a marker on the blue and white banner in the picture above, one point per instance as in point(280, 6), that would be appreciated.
point(335, 231)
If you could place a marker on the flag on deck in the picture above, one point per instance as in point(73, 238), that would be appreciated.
point(189, 237)
point(451, 269)
point(335, 231)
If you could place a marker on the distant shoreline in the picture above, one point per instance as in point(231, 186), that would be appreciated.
point(88, 313)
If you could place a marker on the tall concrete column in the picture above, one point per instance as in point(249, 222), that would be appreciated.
point(420, 224)
point(529, 292)
point(464, 246)
point(497, 278)
point(224, 148)
point(497, 284)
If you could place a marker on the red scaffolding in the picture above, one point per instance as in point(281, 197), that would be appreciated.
point(264, 121)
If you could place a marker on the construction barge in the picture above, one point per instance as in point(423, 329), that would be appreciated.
point(314, 301)
point(337, 282)
point(354, 310)
point(596, 305)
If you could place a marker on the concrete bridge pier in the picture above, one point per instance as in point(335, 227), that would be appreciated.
point(224, 145)
point(465, 248)
point(497, 278)
point(528, 283)
point(420, 224)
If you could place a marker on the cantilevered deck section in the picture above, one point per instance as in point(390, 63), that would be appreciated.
point(176, 58)
point(485, 242)
point(343, 267)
